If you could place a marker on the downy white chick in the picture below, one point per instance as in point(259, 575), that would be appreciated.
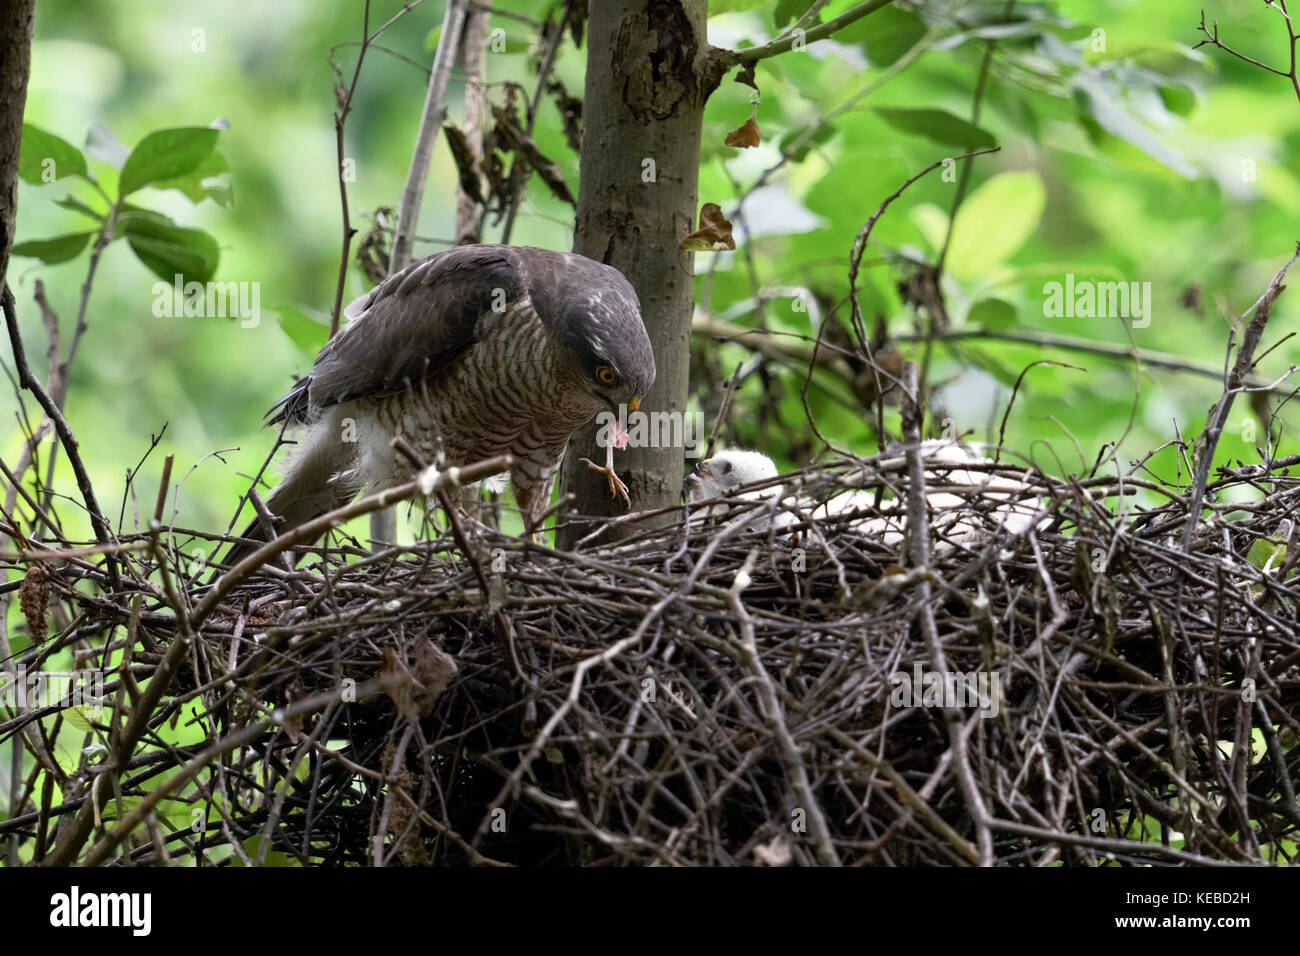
point(728, 471)
point(724, 474)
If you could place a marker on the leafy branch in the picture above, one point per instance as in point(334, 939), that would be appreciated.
point(1211, 35)
point(797, 37)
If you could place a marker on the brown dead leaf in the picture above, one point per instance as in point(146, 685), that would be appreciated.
point(34, 599)
point(434, 670)
point(745, 136)
point(510, 136)
point(292, 694)
point(403, 819)
point(870, 383)
point(467, 165)
point(775, 853)
point(714, 234)
point(415, 688)
point(570, 108)
point(373, 252)
point(397, 683)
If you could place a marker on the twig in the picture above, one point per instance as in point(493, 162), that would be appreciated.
point(723, 409)
point(340, 120)
point(1165, 360)
point(383, 524)
point(918, 542)
point(519, 171)
point(1218, 415)
point(782, 44)
point(1292, 73)
point(103, 534)
point(855, 263)
point(427, 483)
point(432, 117)
point(774, 718)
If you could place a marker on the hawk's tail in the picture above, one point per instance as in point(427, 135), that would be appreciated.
point(312, 486)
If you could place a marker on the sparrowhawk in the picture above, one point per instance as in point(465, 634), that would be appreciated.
point(491, 349)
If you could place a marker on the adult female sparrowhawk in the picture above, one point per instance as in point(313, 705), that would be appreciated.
point(489, 349)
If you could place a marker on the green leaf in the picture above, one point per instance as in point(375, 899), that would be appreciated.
point(734, 6)
point(885, 35)
point(932, 223)
point(253, 846)
point(789, 11)
point(51, 251)
point(46, 158)
point(1098, 101)
point(1149, 47)
point(166, 154)
point(937, 126)
point(994, 222)
point(992, 314)
point(1006, 30)
point(821, 137)
point(307, 332)
point(168, 249)
point(1178, 99)
point(1264, 550)
point(77, 718)
point(209, 180)
point(76, 205)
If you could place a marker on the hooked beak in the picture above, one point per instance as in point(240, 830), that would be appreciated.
point(635, 404)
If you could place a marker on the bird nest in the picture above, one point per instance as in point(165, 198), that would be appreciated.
point(1086, 690)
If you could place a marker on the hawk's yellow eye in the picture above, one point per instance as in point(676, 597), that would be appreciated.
point(606, 376)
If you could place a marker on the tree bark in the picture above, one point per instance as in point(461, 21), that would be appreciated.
point(473, 57)
point(15, 67)
point(649, 74)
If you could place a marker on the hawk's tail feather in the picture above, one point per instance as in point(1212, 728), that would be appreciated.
point(315, 484)
point(294, 407)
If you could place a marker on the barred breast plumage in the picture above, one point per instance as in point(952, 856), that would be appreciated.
point(509, 393)
point(479, 350)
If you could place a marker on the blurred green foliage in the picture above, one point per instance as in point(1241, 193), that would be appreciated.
point(1125, 155)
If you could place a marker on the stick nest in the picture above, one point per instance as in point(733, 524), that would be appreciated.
point(724, 693)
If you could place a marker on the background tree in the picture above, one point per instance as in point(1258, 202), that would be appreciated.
point(648, 77)
point(650, 71)
point(15, 67)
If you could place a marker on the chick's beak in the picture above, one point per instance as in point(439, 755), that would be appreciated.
point(696, 476)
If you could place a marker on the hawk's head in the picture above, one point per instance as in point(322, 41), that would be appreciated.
point(593, 311)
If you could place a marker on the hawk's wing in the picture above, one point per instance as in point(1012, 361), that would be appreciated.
point(410, 326)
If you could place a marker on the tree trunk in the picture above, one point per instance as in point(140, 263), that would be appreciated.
point(648, 77)
point(15, 66)
point(473, 57)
